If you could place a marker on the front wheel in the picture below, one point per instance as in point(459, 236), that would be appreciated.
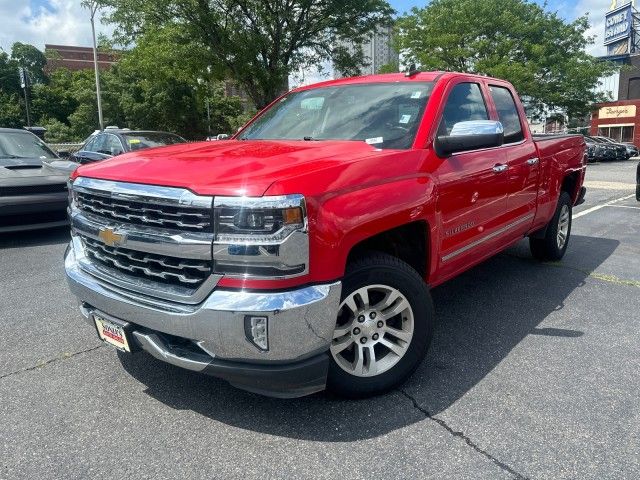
point(556, 238)
point(383, 329)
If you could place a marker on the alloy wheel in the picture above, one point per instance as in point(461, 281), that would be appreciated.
point(563, 226)
point(373, 332)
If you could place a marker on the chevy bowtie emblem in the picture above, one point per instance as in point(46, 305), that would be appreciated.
point(111, 238)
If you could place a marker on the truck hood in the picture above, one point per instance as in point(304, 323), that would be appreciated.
point(230, 167)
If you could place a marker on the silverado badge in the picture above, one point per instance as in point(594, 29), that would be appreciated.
point(111, 238)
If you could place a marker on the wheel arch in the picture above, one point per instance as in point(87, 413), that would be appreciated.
point(409, 242)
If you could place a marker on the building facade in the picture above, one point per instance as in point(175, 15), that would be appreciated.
point(77, 58)
point(618, 120)
point(377, 51)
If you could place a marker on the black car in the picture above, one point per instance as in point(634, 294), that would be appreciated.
point(33, 183)
point(632, 150)
point(116, 141)
point(596, 152)
point(620, 148)
point(602, 150)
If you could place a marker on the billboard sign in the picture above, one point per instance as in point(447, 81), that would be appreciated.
point(618, 24)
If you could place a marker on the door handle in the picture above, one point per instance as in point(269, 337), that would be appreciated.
point(533, 161)
point(500, 167)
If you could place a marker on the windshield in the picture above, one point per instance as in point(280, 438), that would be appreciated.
point(138, 141)
point(385, 115)
point(23, 145)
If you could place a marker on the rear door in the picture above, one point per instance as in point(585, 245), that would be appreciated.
point(522, 160)
point(472, 186)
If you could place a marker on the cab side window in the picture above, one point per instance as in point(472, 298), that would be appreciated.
point(507, 114)
point(465, 103)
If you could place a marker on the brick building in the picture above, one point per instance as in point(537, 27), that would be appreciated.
point(618, 120)
point(77, 58)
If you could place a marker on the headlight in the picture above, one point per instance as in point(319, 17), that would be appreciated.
point(261, 237)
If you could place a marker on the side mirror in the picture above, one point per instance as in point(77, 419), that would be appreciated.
point(222, 136)
point(471, 135)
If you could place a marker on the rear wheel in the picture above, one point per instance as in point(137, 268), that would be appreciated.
point(383, 329)
point(556, 239)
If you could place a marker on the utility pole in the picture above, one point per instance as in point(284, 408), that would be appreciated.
point(208, 117)
point(24, 83)
point(92, 5)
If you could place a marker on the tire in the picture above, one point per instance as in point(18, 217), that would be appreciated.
point(386, 303)
point(553, 245)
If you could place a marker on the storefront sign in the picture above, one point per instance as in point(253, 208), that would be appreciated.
point(618, 24)
point(620, 111)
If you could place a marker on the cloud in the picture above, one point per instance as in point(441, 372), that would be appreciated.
point(38, 22)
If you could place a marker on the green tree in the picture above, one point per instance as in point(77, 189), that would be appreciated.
point(84, 118)
point(9, 80)
point(389, 68)
point(541, 54)
point(257, 43)
point(10, 111)
point(164, 84)
point(32, 59)
point(54, 100)
point(57, 131)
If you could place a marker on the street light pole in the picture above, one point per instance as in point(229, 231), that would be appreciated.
point(92, 5)
point(24, 83)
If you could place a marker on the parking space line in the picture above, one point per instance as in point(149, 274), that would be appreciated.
point(604, 277)
point(624, 206)
point(598, 207)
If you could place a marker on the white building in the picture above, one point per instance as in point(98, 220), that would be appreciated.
point(377, 50)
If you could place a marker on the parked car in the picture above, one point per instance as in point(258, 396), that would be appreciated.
point(33, 183)
point(608, 150)
point(299, 254)
point(596, 151)
point(621, 149)
point(632, 150)
point(114, 141)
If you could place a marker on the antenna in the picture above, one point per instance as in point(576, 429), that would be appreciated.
point(412, 71)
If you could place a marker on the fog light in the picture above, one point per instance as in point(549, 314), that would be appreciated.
point(257, 331)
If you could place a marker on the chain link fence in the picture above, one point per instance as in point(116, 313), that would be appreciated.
point(65, 147)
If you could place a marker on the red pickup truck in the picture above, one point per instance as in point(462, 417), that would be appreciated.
point(299, 254)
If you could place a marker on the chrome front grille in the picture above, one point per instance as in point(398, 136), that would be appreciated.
point(159, 268)
point(149, 239)
point(145, 213)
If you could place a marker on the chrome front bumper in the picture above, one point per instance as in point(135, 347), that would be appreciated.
point(300, 328)
point(301, 321)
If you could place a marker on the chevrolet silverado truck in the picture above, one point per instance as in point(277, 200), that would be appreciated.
point(298, 255)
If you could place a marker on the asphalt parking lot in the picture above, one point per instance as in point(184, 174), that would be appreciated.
point(534, 372)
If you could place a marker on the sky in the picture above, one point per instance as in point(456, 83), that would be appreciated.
point(65, 22)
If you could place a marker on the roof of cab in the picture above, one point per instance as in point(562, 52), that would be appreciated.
point(394, 77)
point(391, 78)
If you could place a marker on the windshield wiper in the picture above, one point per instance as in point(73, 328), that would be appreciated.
point(310, 139)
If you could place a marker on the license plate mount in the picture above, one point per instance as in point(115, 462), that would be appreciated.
point(113, 332)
